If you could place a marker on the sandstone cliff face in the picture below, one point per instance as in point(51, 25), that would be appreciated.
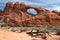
point(15, 14)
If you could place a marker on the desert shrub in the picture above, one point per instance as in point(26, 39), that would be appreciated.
point(13, 30)
point(18, 29)
point(58, 32)
point(51, 28)
point(4, 26)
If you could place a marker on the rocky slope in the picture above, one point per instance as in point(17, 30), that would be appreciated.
point(15, 14)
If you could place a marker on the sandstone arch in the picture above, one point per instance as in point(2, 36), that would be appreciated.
point(37, 9)
point(19, 11)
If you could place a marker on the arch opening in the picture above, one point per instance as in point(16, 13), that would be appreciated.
point(32, 11)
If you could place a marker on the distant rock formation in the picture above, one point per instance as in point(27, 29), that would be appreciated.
point(15, 14)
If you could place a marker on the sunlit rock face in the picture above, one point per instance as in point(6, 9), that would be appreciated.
point(20, 14)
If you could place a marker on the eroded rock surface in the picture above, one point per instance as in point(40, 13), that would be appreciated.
point(15, 14)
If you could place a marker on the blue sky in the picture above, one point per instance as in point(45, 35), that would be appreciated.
point(47, 4)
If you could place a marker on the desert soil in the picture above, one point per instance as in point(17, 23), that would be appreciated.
point(8, 35)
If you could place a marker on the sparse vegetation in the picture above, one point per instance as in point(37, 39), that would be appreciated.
point(21, 28)
point(4, 26)
point(57, 31)
point(41, 33)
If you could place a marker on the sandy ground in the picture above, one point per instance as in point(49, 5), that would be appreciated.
point(8, 35)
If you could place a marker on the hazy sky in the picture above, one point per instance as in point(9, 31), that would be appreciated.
point(47, 4)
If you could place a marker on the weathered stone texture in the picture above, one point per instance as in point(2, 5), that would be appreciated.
point(15, 14)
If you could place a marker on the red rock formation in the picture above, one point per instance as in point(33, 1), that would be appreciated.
point(16, 15)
